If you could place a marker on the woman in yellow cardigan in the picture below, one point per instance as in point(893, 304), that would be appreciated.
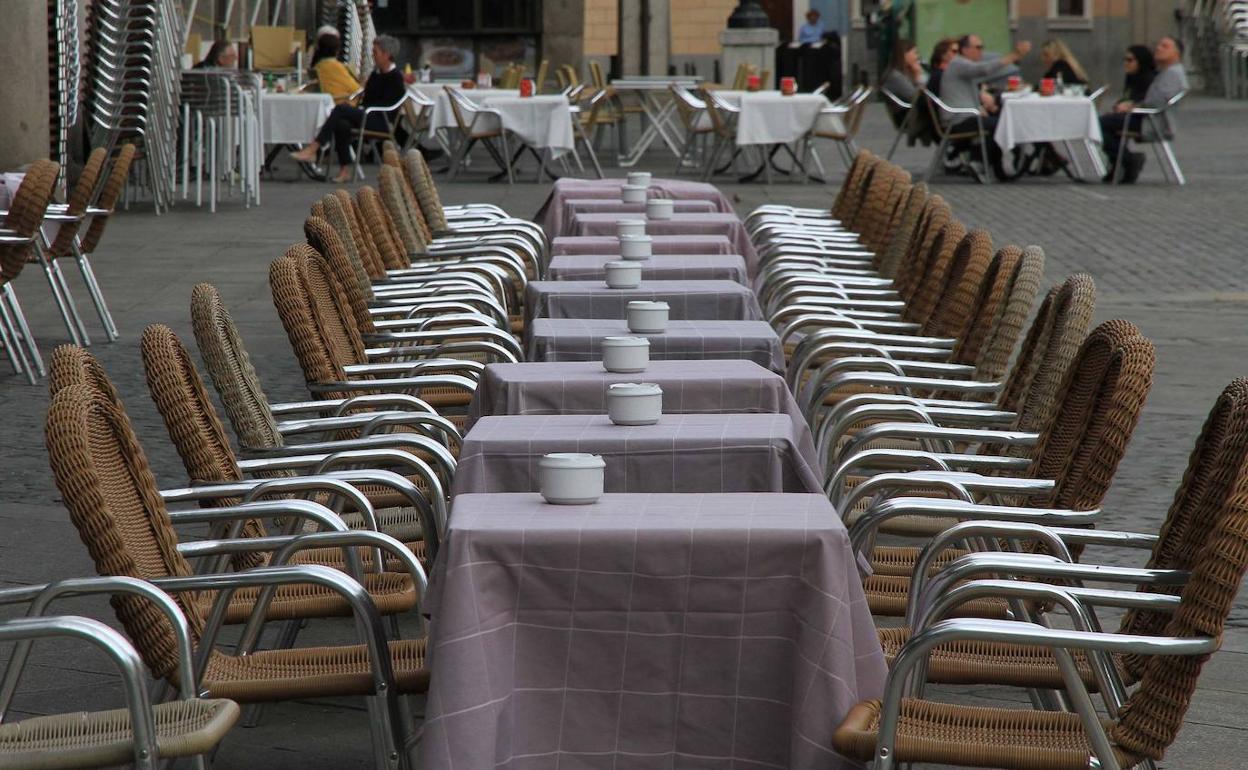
point(332, 75)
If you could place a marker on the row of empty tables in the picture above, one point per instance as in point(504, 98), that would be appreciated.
point(707, 610)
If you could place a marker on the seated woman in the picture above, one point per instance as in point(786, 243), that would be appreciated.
point(904, 77)
point(383, 88)
point(1061, 64)
point(222, 55)
point(1140, 71)
point(332, 76)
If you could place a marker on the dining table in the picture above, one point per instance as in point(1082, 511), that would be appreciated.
point(550, 215)
point(645, 630)
point(686, 300)
point(1071, 120)
point(580, 339)
point(754, 452)
point(659, 244)
point(663, 267)
point(574, 206)
point(716, 223)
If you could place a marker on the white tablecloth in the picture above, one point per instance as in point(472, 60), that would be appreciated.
point(8, 188)
point(769, 117)
point(442, 115)
point(1034, 118)
point(293, 118)
point(543, 122)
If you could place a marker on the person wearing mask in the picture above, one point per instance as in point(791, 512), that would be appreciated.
point(904, 77)
point(332, 76)
point(1061, 65)
point(942, 54)
point(222, 55)
point(1140, 70)
point(959, 88)
point(383, 88)
point(812, 30)
point(1171, 79)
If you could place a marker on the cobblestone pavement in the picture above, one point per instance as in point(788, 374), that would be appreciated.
point(1169, 259)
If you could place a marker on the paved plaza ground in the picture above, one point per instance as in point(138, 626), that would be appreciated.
point(1170, 259)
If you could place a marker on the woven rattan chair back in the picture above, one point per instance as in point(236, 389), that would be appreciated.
point(872, 192)
point(374, 217)
point(902, 230)
point(413, 172)
point(1004, 322)
point(883, 206)
point(317, 209)
point(1100, 404)
point(850, 195)
point(110, 193)
point(369, 255)
point(958, 303)
point(338, 218)
point(933, 273)
point(990, 303)
point(1060, 326)
point(114, 503)
point(912, 265)
point(351, 277)
point(421, 177)
point(229, 367)
point(394, 196)
point(73, 365)
point(79, 199)
point(25, 215)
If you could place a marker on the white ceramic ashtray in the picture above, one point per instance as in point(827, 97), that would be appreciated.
point(634, 403)
point(627, 227)
point(646, 317)
point(632, 193)
point(625, 355)
point(660, 208)
point(636, 246)
point(623, 275)
point(571, 478)
point(639, 178)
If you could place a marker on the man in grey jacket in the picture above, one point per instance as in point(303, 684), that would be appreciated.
point(1170, 80)
point(959, 87)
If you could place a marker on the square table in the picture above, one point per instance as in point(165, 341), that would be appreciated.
point(680, 224)
point(681, 453)
point(688, 630)
point(1031, 118)
point(660, 267)
point(659, 244)
point(550, 215)
point(689, 387)
point(688, 300)
point(574, 206)
point(580, 339)
point(293, 118)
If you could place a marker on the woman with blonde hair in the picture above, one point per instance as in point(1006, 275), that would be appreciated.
point(1061, 64)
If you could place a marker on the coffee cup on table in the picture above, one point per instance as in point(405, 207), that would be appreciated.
point(636, 246)
point(634, 403)
point(625, 355)
point(660, 208)
point(788, 86)
point(627, 227)
point(1013, 83)
point(646, 317)
point(571, 478)
point(1047, 85)
point(633, 193)
point(623, 275)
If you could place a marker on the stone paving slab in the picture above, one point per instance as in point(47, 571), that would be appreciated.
point(1169, 259)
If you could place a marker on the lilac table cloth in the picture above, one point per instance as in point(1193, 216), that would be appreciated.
point(646, 631)
point(682, 453)
point(580, 339)
point(550, 215)
point(680, 224)
point(665, 267)
point(688, 300)
point(661, 244)
point(574, 206)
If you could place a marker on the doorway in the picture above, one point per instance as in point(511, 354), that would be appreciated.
point(781, 14)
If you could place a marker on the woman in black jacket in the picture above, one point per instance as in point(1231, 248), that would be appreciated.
point(1140, 69)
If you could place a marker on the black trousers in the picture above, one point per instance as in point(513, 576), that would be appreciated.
point(340, 123)
point(1112, 126)
point(989, 123)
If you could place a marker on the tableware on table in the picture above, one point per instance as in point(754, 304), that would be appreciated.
point(1014, 82)
point(526, 87)
point(754, 83)
point(622, 275)
point(571, 478)
point(1074, 89)
point(485, 80)
point(1047, 85)
point(636, 246)
point(788, 85)
point(467, 84)
point(646, 317)
point(634, 403)
point(639, 178)
point(625, 355)
point(627, 227)
point(660, 208)
point(633, 193)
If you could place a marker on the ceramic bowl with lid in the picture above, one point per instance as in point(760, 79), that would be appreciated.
point(660, 208)
point(634, 403)
point(636, 246)
point(639, 178)
point(571, 478)
point(646, 317)
point(625, 355)
point(623, 275)
point(627, 227)
point(632, 193)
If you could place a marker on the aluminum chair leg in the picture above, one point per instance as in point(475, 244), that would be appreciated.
point(511, 177)
point(9, 338)
point(938, 159)
point(69, 301)
point(1173, 161)
point(893, 147)
point(62, 300)
point(461, 153)
point(199, 159)
point(186, 150)
point(23, 329)
point(212, 166)
point(97, 294)
point(1122, 153)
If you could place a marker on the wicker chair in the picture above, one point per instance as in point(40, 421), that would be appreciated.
point(18, 236)
point(104, 478)
point(1165, 653)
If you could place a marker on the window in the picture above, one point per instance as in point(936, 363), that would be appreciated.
point(1070, 9)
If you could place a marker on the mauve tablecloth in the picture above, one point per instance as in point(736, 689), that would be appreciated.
point(689, 387)
point(646, 631)
point(550, 215)
point(667, 267)
point(580, 339)
point(574, 206)
point(680, 224)
point(687, 300)
point(682, 453)
point(661, 244)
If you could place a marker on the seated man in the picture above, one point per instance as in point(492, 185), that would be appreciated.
point(1170, 80)
point(959, 87)
point(812, 30)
